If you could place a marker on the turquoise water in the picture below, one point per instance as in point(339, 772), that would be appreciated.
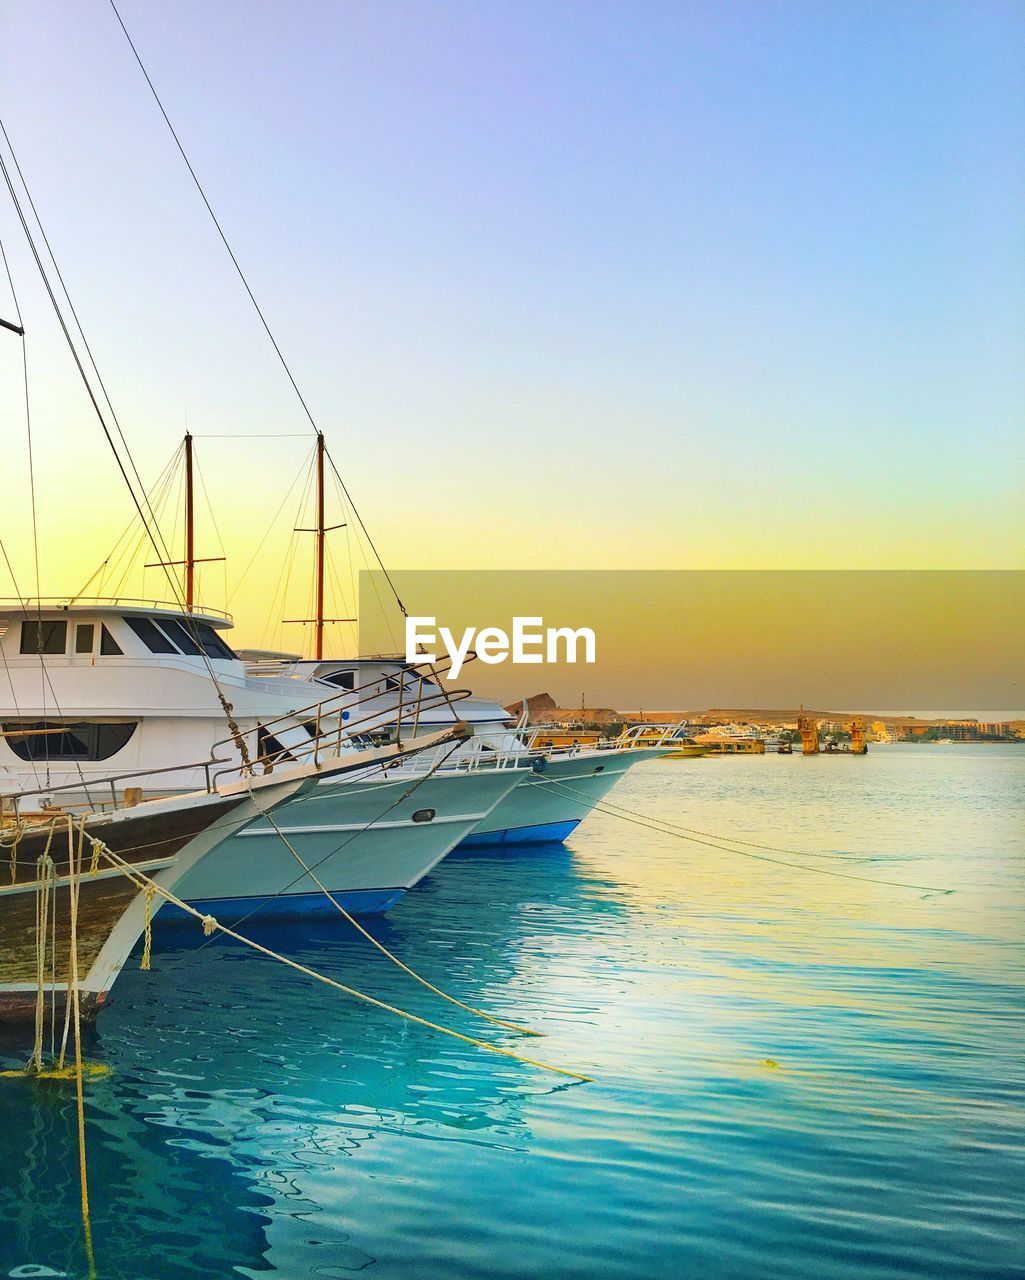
point(256, 1123)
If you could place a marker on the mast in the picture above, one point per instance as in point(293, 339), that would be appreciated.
point(320, 547)
point(189, 563)
point(319, 559)
point(190, 548)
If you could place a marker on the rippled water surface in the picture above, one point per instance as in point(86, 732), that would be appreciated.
point(795, 1074)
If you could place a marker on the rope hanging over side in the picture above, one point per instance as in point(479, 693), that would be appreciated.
point(46, 881)
point(210, 922)
point(235, 731)
point(147, 929)
point(479, 1013)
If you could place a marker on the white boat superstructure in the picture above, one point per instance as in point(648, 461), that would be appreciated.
point(135, 687)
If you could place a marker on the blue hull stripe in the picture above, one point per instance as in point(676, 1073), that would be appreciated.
point(288, 906)
point(542, 833)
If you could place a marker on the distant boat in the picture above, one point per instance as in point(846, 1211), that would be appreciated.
point(733, 740)
point(672, 738)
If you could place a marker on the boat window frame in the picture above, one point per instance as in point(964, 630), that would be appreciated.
point(109, 646)
point(80, 651)
point(138, 623)
point(114, 734)
point(41, 648)
point(171, 627)
point(210, 642)
point(334, 678)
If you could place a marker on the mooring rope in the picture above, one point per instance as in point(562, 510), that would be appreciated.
point(211, 923)
point(394, 804)
point(43, 891)
point(668, 828)
point(479, 1013)
point(75, 873)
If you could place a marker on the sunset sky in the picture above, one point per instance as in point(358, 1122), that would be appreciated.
point(567, 285)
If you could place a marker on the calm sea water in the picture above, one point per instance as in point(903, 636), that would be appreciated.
point(256, 1123)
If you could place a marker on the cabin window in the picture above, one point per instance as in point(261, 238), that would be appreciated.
point(85, 634)
point(151, 636)
point(212, 644)
point(44, 637)
point(74, 741)
point(269, 749)
point(109, 647)
point(180, 636)
point(341, 679)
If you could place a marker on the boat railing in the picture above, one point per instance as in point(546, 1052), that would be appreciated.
point(651, 734)
point(329, 724)
point(633, 736)
point(13, 803)
point(474, 755)
point(110, 602)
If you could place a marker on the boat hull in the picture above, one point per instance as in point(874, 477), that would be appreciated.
point(367, 842)
point(111, 911)
point(547, 806)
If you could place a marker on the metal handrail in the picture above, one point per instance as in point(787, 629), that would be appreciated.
point(342, 734)
point(664, 733)
point(333, 707)
point(114, 602)
point(112, 781)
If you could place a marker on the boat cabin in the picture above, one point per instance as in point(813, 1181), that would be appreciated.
point(103, 687)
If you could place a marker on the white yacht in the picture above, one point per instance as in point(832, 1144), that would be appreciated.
point(97, 687)
point(558, 791)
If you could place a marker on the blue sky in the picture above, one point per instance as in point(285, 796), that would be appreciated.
point(716, 266)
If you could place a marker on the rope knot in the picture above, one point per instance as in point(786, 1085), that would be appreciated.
point(147, 945)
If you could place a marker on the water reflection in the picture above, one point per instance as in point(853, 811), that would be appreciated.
point(794, 1074)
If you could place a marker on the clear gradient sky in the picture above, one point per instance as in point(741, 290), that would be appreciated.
point(568, 285)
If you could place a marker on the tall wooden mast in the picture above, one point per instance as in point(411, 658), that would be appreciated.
point(190, 533)
point(190, 561)
point(321, 530)
point(319, 642)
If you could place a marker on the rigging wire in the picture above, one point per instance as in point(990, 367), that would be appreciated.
point(246, 285)
point(44, 676)
point(151, 527)
point(366, 533)
point(372, 575)
point(303, 471)
point(31, 465)
point(128, 533)
point(213, 216)
point(274, 626)
point(81, 332)
point(213, 521)
point(70, 340)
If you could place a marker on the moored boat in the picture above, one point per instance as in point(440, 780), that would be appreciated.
point(80, 888)
point(558, 785)
point(138, 687)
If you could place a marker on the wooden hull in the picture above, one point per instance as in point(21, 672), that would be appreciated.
point(111, 910)
point(163, 839)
